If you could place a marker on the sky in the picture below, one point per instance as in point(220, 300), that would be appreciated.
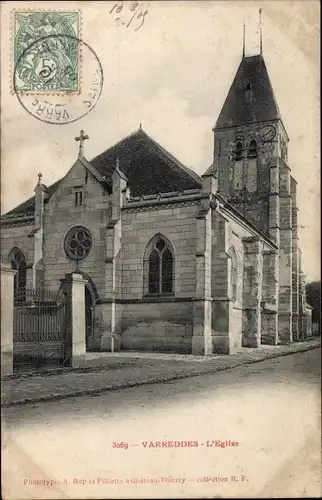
point(172, 76)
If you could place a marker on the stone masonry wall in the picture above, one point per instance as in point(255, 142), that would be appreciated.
point(157, 326)
point(252, 298)
point(295, 263)
point(178, 225)
point(235, 238)
point(61, 215)
point(235, 241)
point(17, 237)
point(252, 202)
point(285, 256)
point(227, 320)
point(164, 325)
point(269, 330)
point(219, 254)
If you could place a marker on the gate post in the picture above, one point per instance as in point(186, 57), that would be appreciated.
point(7, 288)
point(74, 288)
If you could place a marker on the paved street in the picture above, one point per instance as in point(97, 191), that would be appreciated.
point(253, 430)
point(111, 371)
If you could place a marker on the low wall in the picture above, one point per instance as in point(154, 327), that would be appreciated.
point(30, 355)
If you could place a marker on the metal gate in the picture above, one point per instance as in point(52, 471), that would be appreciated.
point(39, 330)
point(89, 319)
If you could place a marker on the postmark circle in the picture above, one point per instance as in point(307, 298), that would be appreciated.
point(58, 79)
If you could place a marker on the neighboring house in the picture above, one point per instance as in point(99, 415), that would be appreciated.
point(173, 261)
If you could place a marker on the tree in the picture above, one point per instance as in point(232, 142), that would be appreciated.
point(313, 297)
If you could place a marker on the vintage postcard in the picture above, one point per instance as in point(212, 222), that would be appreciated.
point(160, 249)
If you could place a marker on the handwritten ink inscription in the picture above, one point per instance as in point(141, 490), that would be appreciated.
point(131, 14)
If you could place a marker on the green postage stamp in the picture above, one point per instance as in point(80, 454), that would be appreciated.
point(46, 52)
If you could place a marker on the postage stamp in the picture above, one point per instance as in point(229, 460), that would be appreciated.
point(46, 53)
point(60, 108)
point(57, 77)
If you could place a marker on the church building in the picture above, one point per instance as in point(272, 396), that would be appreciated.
point(175, 262)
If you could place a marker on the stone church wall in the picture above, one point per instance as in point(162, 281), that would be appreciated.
point(61, 215)
point(164, 324)
point(235, 234)
point(157, 326)
point(17, 237)
point(228, 314)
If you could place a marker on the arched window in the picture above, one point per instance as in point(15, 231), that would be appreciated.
point(239, 151)
point(18, 263)
point(252, 149)
point(159, 267)
point(233, 273)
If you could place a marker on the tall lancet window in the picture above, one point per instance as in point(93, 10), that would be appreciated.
point(239, 151)
point(159, 264)
point(233, 273)
point(238, 166)
point(18, 263)
point(252, 149)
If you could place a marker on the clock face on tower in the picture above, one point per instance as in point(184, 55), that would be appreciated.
point(268, 133)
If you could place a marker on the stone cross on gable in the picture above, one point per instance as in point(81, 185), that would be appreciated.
point(82, 137)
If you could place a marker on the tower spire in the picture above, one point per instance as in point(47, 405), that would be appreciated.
point(244, 37)
point(260, 32)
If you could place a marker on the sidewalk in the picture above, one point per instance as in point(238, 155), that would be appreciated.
point(107, 371)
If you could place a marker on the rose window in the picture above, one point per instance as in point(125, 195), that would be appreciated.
point(78, 243)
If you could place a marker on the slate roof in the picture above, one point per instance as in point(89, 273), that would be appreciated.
point(257, 104)
point(27, 207)
point(148, 167)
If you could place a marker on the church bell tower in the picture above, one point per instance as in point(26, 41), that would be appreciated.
point(249, 138)
point(251, 166)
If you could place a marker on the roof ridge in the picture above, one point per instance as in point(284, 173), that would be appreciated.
point(119, 142)
point(229, 91)
point(273, 93)
point(169, 155)
point(98, 172)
